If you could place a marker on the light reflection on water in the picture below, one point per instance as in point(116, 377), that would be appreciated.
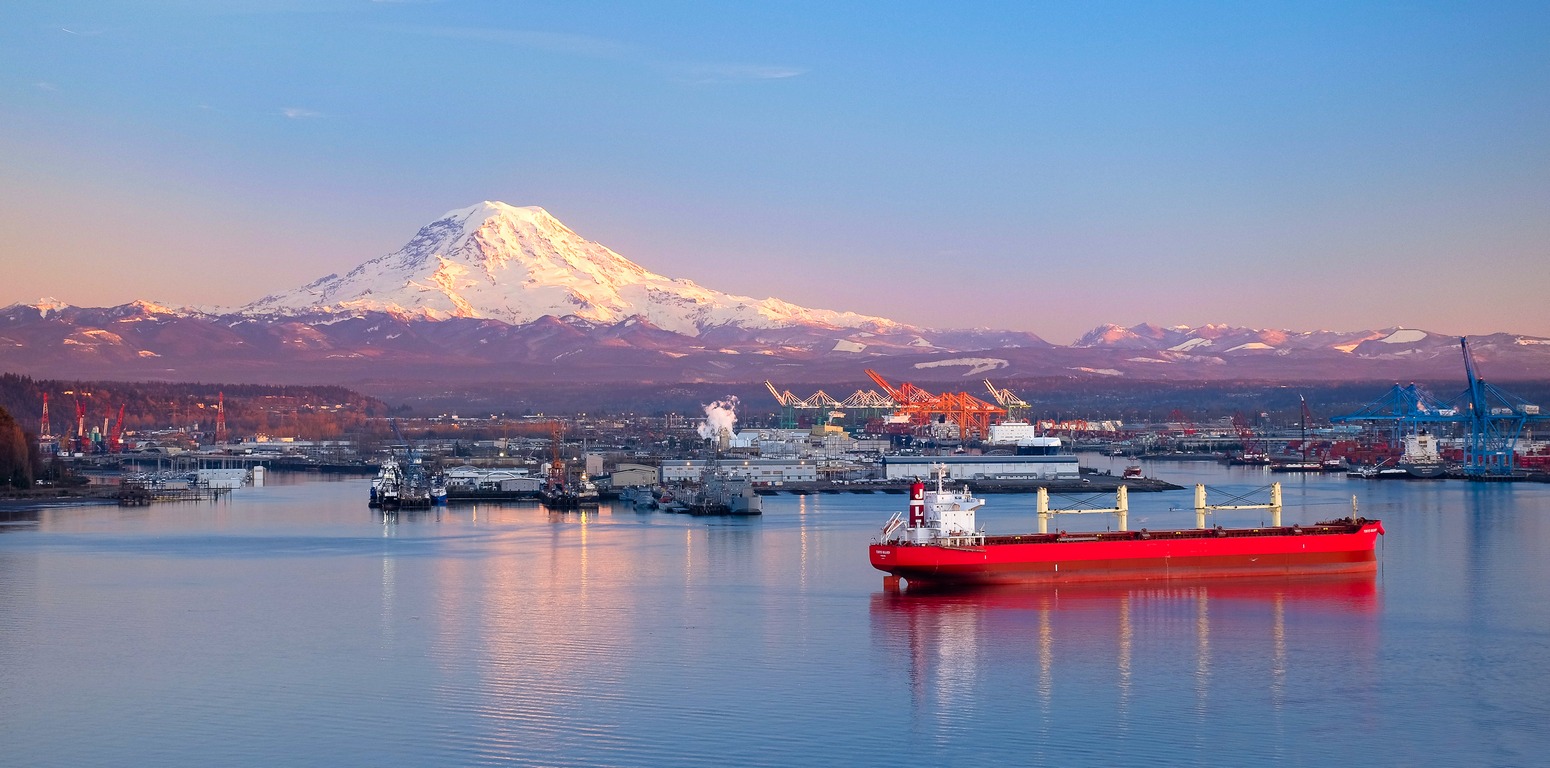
point(291, 625)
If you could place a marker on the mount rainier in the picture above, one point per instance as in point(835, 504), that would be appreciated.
point(501, 262)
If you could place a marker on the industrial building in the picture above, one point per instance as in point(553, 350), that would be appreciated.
point(1061, 466)
point(633, 476)
point(760, 471)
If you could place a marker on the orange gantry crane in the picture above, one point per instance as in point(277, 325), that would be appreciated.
point(972, 415)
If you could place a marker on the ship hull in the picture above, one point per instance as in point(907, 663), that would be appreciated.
point(1046, 558)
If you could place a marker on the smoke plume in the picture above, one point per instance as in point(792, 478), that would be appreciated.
point(720, 417)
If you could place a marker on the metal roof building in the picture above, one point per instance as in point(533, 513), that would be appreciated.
point(1062, 466)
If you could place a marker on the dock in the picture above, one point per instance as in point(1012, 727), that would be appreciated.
point(132, 494)
point(1087, 484)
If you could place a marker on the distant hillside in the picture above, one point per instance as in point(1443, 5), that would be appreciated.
point(321, 412)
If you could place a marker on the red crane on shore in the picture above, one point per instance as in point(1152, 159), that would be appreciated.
point(116, 436)
point(972, 415)
point(80, 422)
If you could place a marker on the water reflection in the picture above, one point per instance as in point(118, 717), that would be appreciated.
point(17, 520)
point(1122, 634)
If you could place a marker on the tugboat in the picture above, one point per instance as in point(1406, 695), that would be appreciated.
point(938, 544)
point(563, 493)
point(387, 488)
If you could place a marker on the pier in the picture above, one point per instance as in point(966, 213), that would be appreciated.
point(1087, 484)
point(138, 494)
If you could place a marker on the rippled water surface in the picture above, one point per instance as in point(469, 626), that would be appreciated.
point(291, 625)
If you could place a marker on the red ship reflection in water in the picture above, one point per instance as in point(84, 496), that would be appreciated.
point(1152, 639)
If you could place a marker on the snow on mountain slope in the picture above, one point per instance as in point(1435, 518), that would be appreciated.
point(1225, 339)
point(516, 265)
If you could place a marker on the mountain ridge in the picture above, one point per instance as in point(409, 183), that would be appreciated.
point(497, 291)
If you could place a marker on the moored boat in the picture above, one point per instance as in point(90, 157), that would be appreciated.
point(720, 494)
point(1421, 458)
point(939, 544)
point(1377, 472)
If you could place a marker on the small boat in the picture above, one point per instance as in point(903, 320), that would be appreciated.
point(1249, 459)
point(1380, 471)
point(1297, 466)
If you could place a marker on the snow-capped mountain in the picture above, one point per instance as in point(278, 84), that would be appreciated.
point(494, 292)
point(145, 340)
point(500, 262)
point(1217, 340)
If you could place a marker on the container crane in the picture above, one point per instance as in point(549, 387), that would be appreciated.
point(788, 402)
point(1496, 419)
point(1403, 411)
point(824, 407)
point(972, 415)
point(1016, 408)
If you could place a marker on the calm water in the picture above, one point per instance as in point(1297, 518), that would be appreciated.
point(290, 625)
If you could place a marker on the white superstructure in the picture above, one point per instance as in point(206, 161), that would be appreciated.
point(941, 516)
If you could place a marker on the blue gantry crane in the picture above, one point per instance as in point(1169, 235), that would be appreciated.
point(1496, 418)
point(1404, 410)
point(1493, 419)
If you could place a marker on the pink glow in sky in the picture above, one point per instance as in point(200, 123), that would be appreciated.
point(1047, 168)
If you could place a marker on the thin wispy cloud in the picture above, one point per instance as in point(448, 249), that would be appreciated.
point(587, 46)
point(46, 86)
point(711, 74)
point(298, 113)
point(81, 33)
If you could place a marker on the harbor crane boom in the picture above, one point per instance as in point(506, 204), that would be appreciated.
point(1496, 419)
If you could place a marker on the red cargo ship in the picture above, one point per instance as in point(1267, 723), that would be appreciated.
point(939, 545)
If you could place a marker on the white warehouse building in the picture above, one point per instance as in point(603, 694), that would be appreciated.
point(1060, 466)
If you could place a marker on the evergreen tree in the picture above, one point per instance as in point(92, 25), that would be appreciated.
point(15, 457)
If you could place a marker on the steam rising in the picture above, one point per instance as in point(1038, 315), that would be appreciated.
point(720, 417)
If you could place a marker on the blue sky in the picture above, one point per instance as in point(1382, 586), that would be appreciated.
point(1046, 167)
